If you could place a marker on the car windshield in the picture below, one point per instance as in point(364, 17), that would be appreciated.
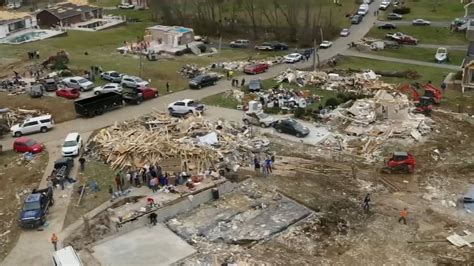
point(30, 143)
point(31, 206)
point(192, 103)
point(70, 143)
point(263, 115)
point(138, 80)
point(296, 125)
point(82, 81)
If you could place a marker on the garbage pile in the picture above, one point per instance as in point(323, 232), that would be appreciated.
point(199, 143)
point(11, 117)
point(239, 65)
point(16, 85)
point(368, 124)
point(365, 83)
point(191, 71)
point(286, 98)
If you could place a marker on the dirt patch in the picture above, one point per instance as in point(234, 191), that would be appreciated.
point(103, 176)
point(61, 109)
point(17, 179)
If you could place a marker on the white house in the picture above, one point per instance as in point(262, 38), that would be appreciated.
point(12, 25)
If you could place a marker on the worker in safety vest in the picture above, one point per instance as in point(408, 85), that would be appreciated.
point(403, 216)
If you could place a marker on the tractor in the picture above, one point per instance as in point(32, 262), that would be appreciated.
point(424, 104)
point(400, 162)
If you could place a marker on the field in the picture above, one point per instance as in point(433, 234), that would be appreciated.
point(421, 54)
point(446, 10)
point(425, 35)
point(17, 178)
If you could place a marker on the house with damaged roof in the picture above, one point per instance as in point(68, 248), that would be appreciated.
point(67, 14)
point(468, 69)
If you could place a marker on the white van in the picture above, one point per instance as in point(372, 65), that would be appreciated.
point(363, 9)
point(32, 125)
point(66, 257)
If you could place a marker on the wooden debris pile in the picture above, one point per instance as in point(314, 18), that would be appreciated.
point(11, 117)
point(155, 138)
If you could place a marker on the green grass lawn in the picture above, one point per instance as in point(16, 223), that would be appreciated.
point(221, 100)
point(425, 34)
point(421, 54)
point(446, 9)
point(436, 75)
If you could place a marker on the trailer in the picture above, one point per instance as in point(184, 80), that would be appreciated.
point(98, 104)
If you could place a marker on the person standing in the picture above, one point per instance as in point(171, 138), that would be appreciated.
point(256, 164)
point(118, 182)
point(443, 86)
point(153, 217)
point(268, 164)
point(403, 216)
point(54, 241)
point(167, 87)
point(82, 162)
point(366, 202)
point(242, 83)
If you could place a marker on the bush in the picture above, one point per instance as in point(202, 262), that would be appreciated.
point(402, 10)
point(299, 112)
point(332, 102)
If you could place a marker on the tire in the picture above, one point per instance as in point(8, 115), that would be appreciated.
point(81, 89)
point(139, 101)
point(51, 203)
point(156, 95)
point(170, 110)
point(96, 93)
point(199, 86)
point(263, 125)
point(298, 135)
point(17, 134)
point(99, 112)
point(214, 82)
point(279, 130)
point(43, 220)
point(44, 129)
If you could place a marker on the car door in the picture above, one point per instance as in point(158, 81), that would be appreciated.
point(74, 84)
point(179, 107)
point(19, 147)
point(30, 127)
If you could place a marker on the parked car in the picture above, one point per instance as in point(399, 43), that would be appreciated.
point(258, 119)
point(35, 207)
point(356, 19)
point(67, 256)
point(32, 125)
point(126, 6)
point(384, 5)
point(394, 16)
point(345, 32)
point(406, 40)
point(79, 83)
point(292, 58)
point(72, 144)
point(112, 76)
point(363, 10)
point(325, 45)
point(50, 84)
point(98, 104)
point(292, 127)
point(140, 94)
point(272, 46)
point(255, 85)
point(255, 68)
point(420, 22)
point(24, 144)
point(108, 88)
point(68, 93)
point(239, 44)
point(186, 106)
point(387, 26)
point(133, 82)
point(37, 90)
point(203, 81)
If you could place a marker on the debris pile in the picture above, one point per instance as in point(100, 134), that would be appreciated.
point(191, 71)
point(363, 83)
point(197, 142)
point(14, 116)
point(239, 65)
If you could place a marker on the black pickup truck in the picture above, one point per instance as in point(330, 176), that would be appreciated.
point(61, 171)
point(35, 207)
point(98, 104)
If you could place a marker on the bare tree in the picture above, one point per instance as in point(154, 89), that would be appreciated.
point(250, 8)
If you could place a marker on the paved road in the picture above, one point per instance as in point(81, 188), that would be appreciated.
point(437, 24)
point(34, 248)
point(398, 60)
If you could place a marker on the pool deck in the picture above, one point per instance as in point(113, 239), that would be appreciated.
point(49, 34)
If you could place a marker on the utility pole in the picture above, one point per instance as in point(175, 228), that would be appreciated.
point(314, 54)
point(140, 66)
point(321, 32)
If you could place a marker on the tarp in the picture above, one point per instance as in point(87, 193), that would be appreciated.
point(208, 139)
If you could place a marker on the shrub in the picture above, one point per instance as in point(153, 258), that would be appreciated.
point(332, 102)
point(402, 10)
point(299, 112)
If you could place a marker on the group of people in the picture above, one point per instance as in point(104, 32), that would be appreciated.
point(235, 83)
point(403, 213)
point(265, 165)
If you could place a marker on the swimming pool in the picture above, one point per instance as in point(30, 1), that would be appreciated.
point(27, 37)
point(182, 30)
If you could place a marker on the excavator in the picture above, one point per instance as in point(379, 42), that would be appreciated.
point(424, 104)
point(400, 161)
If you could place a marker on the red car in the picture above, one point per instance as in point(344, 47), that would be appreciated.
point(68, 93)
point(255, 68)
point(137, 95)
point(24, 144)
point(407, 40)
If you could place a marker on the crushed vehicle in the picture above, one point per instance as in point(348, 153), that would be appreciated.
point(35, 208)
point(258, 118)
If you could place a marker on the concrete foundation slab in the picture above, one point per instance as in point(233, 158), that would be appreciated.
point(151, 245)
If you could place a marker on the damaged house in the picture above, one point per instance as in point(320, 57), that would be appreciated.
point(15, 24)
point(67, 14)
point(468, 69)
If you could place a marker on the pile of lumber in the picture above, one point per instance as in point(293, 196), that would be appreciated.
point(159, 137)
point(14, 116)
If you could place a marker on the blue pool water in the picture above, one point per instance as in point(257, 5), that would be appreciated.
point(182, 30)
point(27, 36)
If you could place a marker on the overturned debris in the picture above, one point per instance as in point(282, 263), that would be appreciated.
point(199, 144)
